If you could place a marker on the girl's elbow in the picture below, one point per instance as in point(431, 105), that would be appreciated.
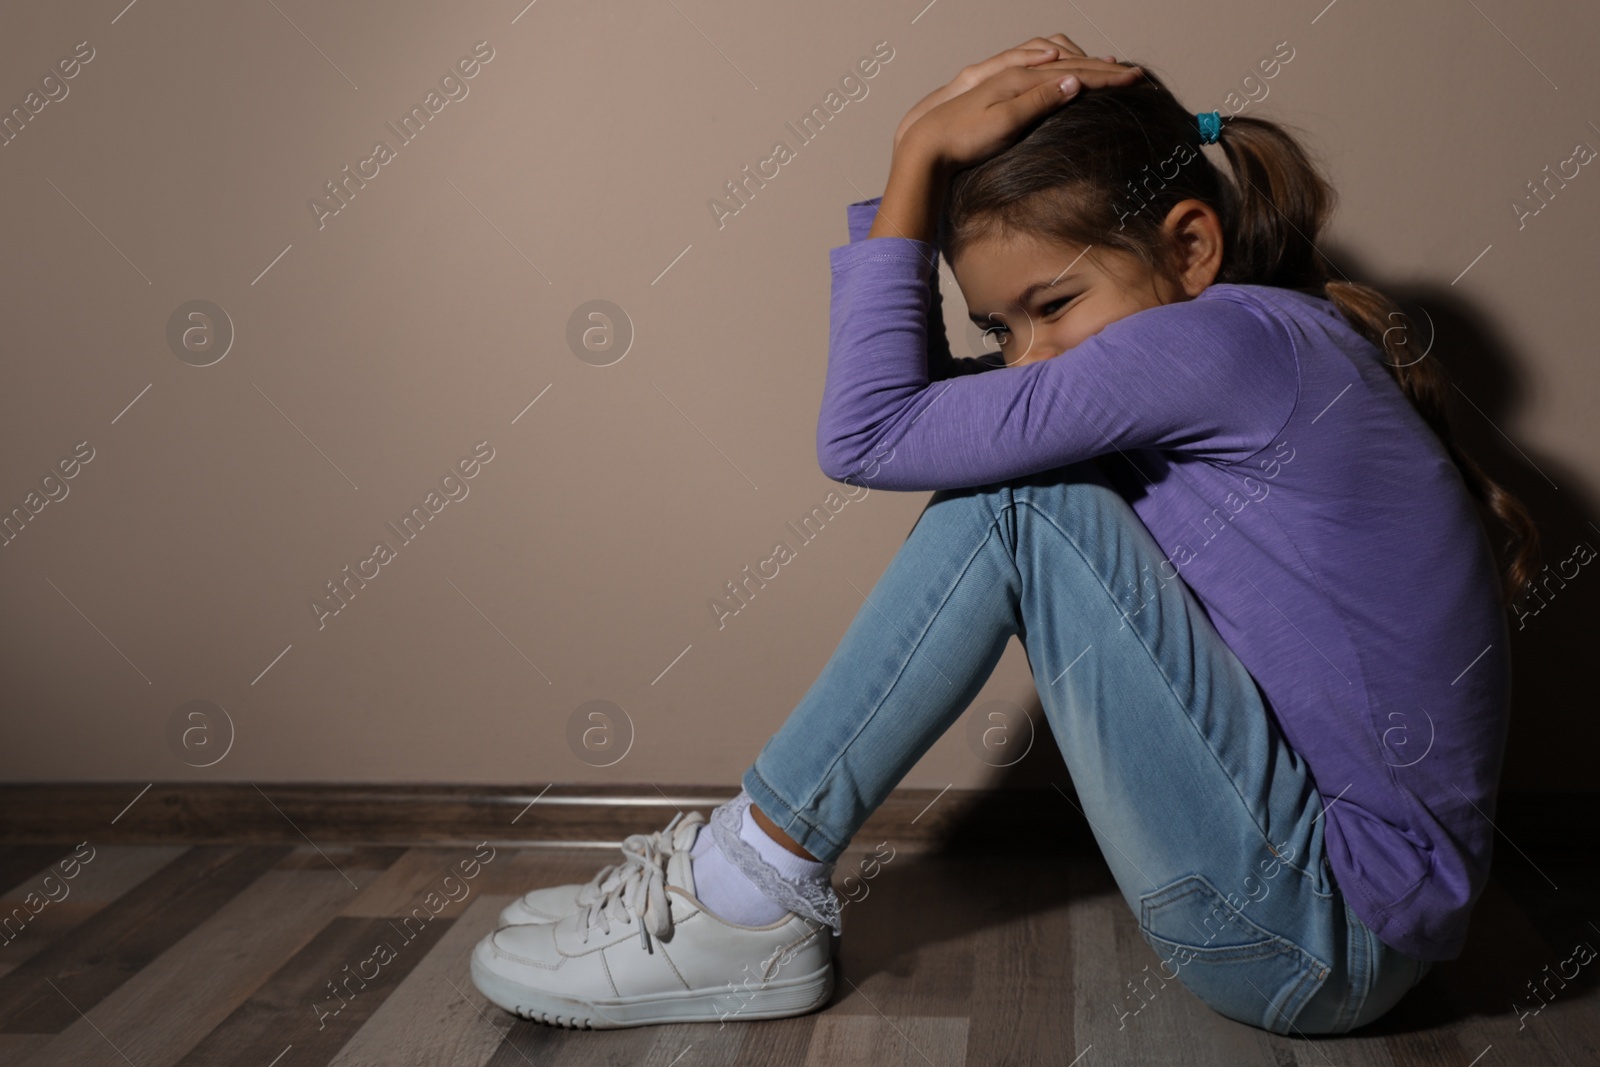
point(836, 461)
point(868, 465)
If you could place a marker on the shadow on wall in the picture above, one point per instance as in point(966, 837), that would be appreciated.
point(1553, 731)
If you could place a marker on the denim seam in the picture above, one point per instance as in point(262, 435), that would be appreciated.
point(916, 644)
point(1306, 975)
point(1369, 961)
point(1358, 966)
point(1259, 950)
point(795, 815)
point(1148, 902)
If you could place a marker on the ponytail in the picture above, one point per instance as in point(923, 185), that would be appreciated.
point(1278, 204)
point(1423, 382)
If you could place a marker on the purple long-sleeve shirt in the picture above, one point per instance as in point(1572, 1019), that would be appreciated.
point(1301, 497)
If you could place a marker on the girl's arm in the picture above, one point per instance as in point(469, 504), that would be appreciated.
point(1215, 377)
point(1051, 58)
point(941, 362)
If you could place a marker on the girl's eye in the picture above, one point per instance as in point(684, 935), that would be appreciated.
point(1055, 305)
point(997, 332)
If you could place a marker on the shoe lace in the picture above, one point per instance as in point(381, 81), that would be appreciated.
point(635, 891)
point(638, 845)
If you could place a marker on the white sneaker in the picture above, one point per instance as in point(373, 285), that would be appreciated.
point(645, 950)
point(548, 904)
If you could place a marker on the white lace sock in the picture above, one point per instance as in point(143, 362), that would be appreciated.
point(745, 877)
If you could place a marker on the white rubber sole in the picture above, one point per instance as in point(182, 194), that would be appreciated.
point(776, 1000)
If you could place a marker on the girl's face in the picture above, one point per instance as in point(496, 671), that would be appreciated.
point(1035, 298)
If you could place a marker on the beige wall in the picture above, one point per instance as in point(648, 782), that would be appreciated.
point(373, 351)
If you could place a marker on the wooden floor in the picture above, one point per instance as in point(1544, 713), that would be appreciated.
point(216, 955)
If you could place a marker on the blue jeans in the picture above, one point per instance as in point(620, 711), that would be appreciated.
point(1211, 824)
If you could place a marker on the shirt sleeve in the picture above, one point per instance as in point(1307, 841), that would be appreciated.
point(1215, 377)
point(942, 363)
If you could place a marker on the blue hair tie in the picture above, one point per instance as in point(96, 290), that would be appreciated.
point(1210, 126)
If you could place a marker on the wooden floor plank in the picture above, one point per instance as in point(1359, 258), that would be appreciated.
point(408, 882)
point(675, 1045)
point(897, 1041)
point(1570, 1023)
point(436, 1016)
point(22, 866)
point(316, 1002)
point(1559, 894)
point(1022, 970)
point(903, 951)
point(14, 1048)
point(222, 955)
point(113, 871)
point(1347, 1050)
point(528, 1042)
point(91, 961)
point(162, 1012)
point(701, 1044)
point(704, 1045)
point(1503, 953)
point(345, 857)
point(779, 1042)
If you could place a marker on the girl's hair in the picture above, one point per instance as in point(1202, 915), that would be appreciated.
point(1107, 168)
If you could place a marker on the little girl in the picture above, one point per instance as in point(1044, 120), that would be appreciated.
point(1213, 493)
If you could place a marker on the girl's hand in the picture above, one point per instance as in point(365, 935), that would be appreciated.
point(1034, 51)
point(1029, 52)
point(985, 109)
point(971, 125)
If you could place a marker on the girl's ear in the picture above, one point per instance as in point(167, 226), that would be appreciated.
point(1195, 230)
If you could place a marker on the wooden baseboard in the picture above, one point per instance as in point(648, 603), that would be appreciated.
point(580, 815)
point(567, 815)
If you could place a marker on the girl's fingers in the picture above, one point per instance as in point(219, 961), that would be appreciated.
point(1032, 52)
point(1026, 93)
point(1059, 41)
point(1087, 63)
point(1028, 54)
point(1066, 43)
point(1027, 107)
point(1094, 73)
point(1021, 56)
point(1055, 40)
